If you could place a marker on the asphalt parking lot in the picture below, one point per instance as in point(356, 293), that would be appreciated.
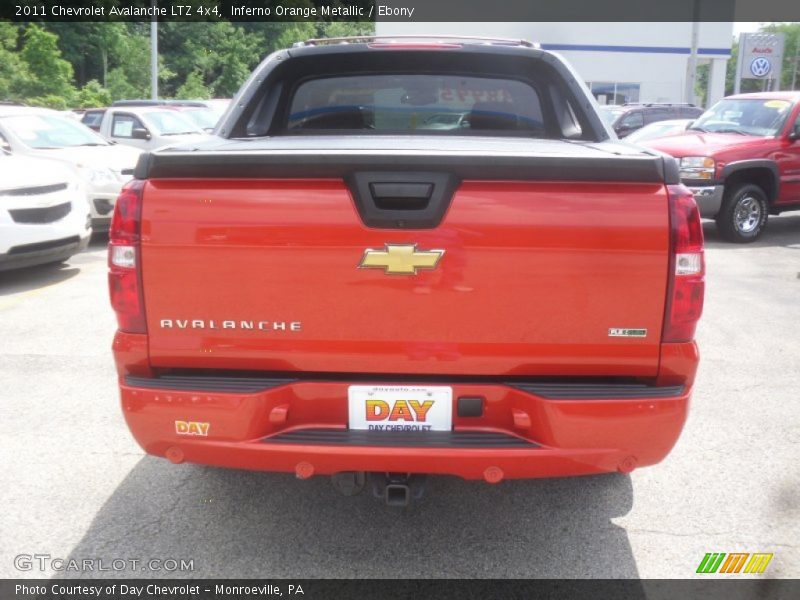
point(75, 485)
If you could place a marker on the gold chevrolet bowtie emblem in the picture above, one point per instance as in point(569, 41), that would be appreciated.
point(400, 259)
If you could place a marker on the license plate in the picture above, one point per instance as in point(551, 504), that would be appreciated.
point(400, 408)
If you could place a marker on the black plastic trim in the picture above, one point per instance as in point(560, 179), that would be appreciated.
point(41, 215)
point(244, 382)
point(333, 164)
point(201, 383)
point(597, 391)
point(469, 406)
point(425, 439)
point(770, 165)
point(427, 194)
point(36, 190)
point(42, 253)
point(779, 208)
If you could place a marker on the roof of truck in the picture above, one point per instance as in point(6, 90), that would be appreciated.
point(403, 41)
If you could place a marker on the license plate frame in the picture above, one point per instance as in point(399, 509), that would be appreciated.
point(399, 408)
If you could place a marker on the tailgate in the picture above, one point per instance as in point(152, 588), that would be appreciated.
point(264, 274)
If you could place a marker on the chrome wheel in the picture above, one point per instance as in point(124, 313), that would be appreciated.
point(747, 214)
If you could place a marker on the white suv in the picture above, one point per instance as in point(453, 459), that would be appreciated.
point(104, 167)
point(44, 216)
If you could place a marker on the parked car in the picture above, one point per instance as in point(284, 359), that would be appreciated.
point(627, 118)
point(218, 105)
point(348, 293)
point(44, 217)
point(204, 113)
point(45, 133)
point(145, 127)
point(658, 130)
point(742, 159)
point(202, 116)
point(92, 117)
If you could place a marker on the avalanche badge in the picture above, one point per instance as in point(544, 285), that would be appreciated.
point(400, 259)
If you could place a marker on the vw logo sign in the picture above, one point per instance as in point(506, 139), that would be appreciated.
point(760, 67)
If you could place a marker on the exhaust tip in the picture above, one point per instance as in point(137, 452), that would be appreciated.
point(397, 495)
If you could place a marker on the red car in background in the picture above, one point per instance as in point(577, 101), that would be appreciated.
point(742, 161)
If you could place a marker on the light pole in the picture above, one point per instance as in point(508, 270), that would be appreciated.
point(154, 54)
point(692, 70)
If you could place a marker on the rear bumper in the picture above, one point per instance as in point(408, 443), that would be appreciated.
point(41, 253)
point(301, 427)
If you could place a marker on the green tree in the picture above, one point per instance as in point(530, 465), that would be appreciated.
point(791, 35)
point(237, 57)
point(193, 88)
point(119, 87)
point(51, 75)
point(92, 48)
point(14, 75)
point(93, 94)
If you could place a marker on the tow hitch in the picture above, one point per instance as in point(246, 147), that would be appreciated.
point(396, 489)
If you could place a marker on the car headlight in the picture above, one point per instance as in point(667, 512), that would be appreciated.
point(98, 177)
point(697, 167)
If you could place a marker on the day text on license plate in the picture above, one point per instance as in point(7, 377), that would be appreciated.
point(400, 408)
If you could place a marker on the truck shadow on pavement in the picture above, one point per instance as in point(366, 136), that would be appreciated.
point(783, 230)
point(237, 524)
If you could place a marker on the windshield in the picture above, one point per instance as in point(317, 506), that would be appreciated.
point(170, 122)
point(747, 117)
point(51, 131)
point(657, 130)
point(204, 118)
point(610, 114)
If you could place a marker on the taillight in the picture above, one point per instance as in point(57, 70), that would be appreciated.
point(125, 259)
point(686, 267)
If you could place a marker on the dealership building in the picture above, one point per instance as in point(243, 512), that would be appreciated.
point(620, 62)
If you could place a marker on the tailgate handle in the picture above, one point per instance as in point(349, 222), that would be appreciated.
point(402, 199)
point(401, 190)
point(401, 195)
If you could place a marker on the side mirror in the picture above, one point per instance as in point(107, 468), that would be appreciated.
point(622, 131)
point(140, 133)
point(794, 134)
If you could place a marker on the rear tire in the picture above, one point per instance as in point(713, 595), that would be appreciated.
point(743, 215)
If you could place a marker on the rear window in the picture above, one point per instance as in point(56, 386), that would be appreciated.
point(416, 103)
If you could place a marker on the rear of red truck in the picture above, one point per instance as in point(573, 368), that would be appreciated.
point(408, 258)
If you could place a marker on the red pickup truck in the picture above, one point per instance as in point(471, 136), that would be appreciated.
point(339, 284)
point(741, 159)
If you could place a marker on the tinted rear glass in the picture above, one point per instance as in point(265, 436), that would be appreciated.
point(416, 103)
